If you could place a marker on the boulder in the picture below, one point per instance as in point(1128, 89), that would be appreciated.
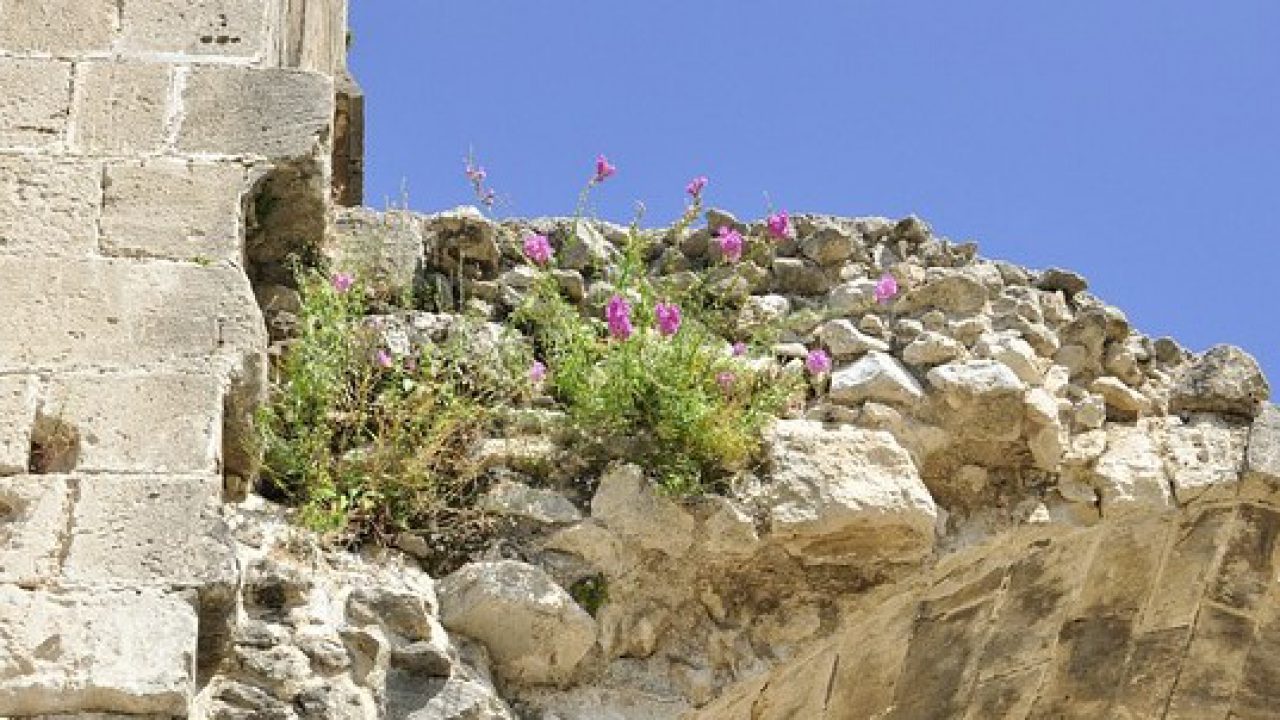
point(1224, 380)
point(876, 376)
point(626, 503)
point(534, 631)
point(843, 339)
point(981, 399)
point(846, 495)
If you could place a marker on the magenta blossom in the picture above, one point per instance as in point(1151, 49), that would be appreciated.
point(604, 170)
point(342, 281)
point(779, 225)
point(818, 362)
point(725, 380)
point(537, 372)
point(538, 249)
point(476, 175)
point(739, 349)
point(696, 186)
point(730, 244)
point(668, 316)
point(618, 315)
point(886, 289)
point(383, 358)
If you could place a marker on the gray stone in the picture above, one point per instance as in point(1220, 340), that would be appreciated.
point(385, 249)
point(797, 276)
point(57, 27)
point(513, 499)
point(844, 340)
point(829, 245)
point(534, 631)
point(121, 107)
point(174, 210)
point(48, 207)
point(1066, 281)
point(36, 103)
point(852, 298)
point(1224, 380)
point(129, 652)
point(585, 248)
point(876, 376)
point(247, 112)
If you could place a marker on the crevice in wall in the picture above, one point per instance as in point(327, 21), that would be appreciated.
point(55, 445)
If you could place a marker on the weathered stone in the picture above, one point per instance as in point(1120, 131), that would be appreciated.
point(33, 114)
point(931, 348)
point(57, 27)
point(48, 207)
point(34, 512)
point(954, 294)
point(1224, 380)
point(141, 423)
point(1124, 401)
point(121, 108)
point(796, 276)
point(1014, 352)
point(19, 398)
point(533, 629)
point(145, 530)
point(173, 210)
point(844, 340)
point(760, 310)
point(846, 495)
point(1262, 461)
point(244, 111)
point(227, 28)
point(586, 247)
point(852, 298)
point(106, 312)
point(626, 503)
point(513, 499)
point(1204, 459)
point(1066, 281)
point(876, 376)
point(983, 398)
point(1131, 474)
point(116, 651)
point(828, 245)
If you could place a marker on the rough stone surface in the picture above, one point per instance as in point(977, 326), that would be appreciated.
point(228, 28)
point(121, 107)
point(627, 503)
point(876, 376)
point(1225, 380)
point(48, 207)
point(57, 27)
point(846, 495)
point(199, 218)
point(67, 652)
point(34, 111)
point(239, 111)
point(983, 398)
point(19, 398)
point(532, 628)
point(1263, 458)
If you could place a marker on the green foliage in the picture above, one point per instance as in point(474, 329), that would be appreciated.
point(591, 593)
point(680, 406)
point(365, 450)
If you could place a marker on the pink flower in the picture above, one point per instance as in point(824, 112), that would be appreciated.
point(476, 174)
point(342, 281)
point(668, 315)
point(603, 169)
point(695, 186)
point(739, 349)
point(818, 362)
point(537, 372)
point(538, 249)
point(618, 315)
point(383, 358)
point(725, 380)
point(730, 244)
point(779, 225)
point(886, 289)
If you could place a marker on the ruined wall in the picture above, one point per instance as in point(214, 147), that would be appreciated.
point(135, 139)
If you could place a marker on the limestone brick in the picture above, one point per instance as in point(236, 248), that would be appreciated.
point(173, 209)
point(222, 28)
point(34, 511)
point(48, 206)
point(35, 103)
point(121, 107)
point(18, 399)
point(242, 111)
point(58, 27)
point(74, 651)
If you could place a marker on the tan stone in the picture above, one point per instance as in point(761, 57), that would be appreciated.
point(48, 207)
point(116, 651)
point(19, 396)
point(139, 530)
point(58, 27)
point(102, 312)
point(141, 423)
point(173, 209)
point(34, 511)
point(226, 28)
point(35, 103)
point(243, 111)
point(121, 107)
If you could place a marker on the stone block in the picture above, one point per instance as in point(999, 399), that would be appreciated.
point(941, 663)
point(18, 399)
point(166, 423)
point(35, 104)
point(128, 652)
point(1247, 569)
point(111, 312)
point(243, 111)
point(173, 209)
point(384, 248)
point(1212, 666)
point(222, 28)
point(33, 522)
point(144, 530)
point(1188, 563)
point(1262, 460)
point(57, 27)
point(48, 207)
point(121, 107)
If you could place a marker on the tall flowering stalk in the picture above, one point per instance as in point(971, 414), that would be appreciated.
point(668, 318)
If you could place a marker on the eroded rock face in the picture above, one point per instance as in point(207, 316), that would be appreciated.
point(1224, 380)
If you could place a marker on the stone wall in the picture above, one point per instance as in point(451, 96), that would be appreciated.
point(135, 139)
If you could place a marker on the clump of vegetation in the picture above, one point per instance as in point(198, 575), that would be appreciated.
point(367, 443)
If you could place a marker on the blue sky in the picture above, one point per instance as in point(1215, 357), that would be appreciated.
point(1136, 141)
